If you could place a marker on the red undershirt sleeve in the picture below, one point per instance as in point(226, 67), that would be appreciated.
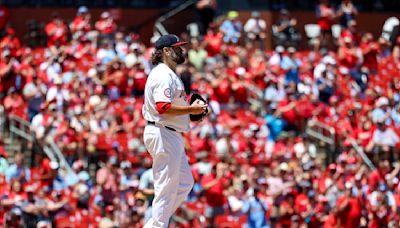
point(162, 107)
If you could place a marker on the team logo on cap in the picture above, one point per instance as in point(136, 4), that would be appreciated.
point(167, 93)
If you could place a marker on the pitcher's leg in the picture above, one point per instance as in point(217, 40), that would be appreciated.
point(166, 182)
point(185, 182)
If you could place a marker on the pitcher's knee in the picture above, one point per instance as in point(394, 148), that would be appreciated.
point(189, 185)
point(191, 182)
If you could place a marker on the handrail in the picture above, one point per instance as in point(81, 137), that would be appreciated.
point(21, 127)
point(2, 120)
point(49, 153)
point(318, 134)
point(158, 24)
point(360, 152)
point(61, 158)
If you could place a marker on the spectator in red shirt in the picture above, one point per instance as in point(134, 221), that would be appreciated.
point(106, 179)
point(352, 32)
point(8, 70)
point(56, 31)
point(213, 41)
point(349, 208)
point(11, 42)
point(106, 26)
point(222, 89)
point(370, 52)
point(48, 172)
point(382, 207)
point(13, 102)
point(81, 23)
point(325, 16)
point(213, 186)
point(348, 54)
point(286, 210)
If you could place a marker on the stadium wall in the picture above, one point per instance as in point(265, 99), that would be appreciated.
point(144, 19)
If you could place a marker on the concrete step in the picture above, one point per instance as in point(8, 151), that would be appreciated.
point(17, 146)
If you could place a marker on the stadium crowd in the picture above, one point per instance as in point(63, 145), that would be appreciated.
point(252, 160)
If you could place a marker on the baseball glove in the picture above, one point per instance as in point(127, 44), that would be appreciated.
point(197, 98)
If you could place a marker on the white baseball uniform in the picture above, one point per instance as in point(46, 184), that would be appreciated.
point(173, 179)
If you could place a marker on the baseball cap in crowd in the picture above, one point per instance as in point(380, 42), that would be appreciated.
point(233, 14)
point(382, 187)
point(83, 176)
point(255, 14)
point(125, 165)
point(279, 49)
point(58, 80)
point(348, 185)
point(6, 53)
point(77, 164)
point(11, 90)
point(16, 211)
point(10, 31)
point(291, 49)
point(169, 40)
point(347, 39)
point(105, 14)
point(109, 208)
point(284, 166)
point(328, 60)
point(284, 12)
point(382, 101)
point(332, 166)
point(43, 224)
point(113, 160)
point(54, 165)
point(82, 10)
point(30, 189)
point(262, 181)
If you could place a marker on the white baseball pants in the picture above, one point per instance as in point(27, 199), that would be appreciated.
point(173, 178)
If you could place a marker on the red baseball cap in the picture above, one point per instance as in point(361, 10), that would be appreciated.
point(110, 208)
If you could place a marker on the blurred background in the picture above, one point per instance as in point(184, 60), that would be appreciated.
point(304, 131)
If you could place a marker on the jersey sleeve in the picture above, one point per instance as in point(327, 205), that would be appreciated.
point(163, 90)
point(162, 107)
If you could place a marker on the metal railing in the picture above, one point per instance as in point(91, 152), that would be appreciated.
point(360, 152)
point(2, 121)
point(21, 128)
point(327, 134)
point(61, 158)
point(322, 132)
point(159, 28)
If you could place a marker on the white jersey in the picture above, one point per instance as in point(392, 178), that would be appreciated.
point(163, 85)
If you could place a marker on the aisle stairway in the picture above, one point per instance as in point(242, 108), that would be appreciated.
point(15, 134)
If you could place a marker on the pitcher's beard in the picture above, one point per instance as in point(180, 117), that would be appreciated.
point(178, 58)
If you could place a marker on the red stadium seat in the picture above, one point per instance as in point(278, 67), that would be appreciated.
point(65, 222)
point(228, 221)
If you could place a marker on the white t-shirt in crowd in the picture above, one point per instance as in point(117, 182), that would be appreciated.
point(387, 137)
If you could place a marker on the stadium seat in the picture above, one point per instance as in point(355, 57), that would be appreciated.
point(193, 29)
point(228, 221)
point(65, 222)
point(388, 26)
point(312, 32)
